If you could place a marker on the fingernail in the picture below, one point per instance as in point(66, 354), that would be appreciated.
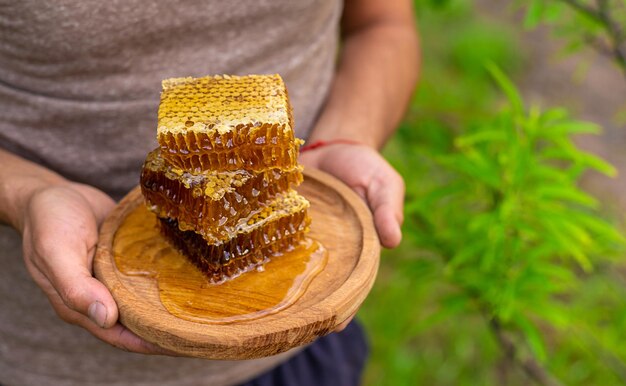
point(97, 313)
point(395, 236)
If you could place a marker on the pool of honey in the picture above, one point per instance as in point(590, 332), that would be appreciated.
point(185, 292)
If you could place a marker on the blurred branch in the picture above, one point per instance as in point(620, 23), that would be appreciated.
point(531, 367)
point(602, 15)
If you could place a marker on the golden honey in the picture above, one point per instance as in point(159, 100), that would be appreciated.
point(278, 227)
point(185, 292)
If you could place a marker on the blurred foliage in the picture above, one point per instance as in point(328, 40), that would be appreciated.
point(496, 228)
point(583, 23)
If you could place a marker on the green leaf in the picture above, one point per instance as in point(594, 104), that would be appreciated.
point(495, 237)
point(577, 233)
point(553, 12)
point(481, 223)
point(567, 193)
point(541, 252)
point(554, 114)
point(571, 127)
point(534, 14)
point(547, 174)
point(598, 164)
point(508, 87)
point(505, 303)
point(533, 337)
point(554, 313)
point(565, 239)
point(475, 166)
point(599, 227)
point(555, 272)
point(568, 152)
point(482, 136)
point(560, 153)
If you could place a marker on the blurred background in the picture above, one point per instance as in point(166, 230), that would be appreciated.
point(512, 269)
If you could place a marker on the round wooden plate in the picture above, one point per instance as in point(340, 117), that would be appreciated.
point(340, 221)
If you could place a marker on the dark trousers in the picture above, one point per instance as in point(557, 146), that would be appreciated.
point(337, 359)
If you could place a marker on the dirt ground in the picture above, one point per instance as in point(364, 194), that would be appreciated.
point(597, 95)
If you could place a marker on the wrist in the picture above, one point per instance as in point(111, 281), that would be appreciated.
point(20, 179)
point(313, 145)
point(17, 192)
point(326, 153)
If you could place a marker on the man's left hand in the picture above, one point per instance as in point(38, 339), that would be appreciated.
point(371, 177)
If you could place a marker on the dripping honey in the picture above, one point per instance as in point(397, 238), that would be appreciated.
point(185, 291)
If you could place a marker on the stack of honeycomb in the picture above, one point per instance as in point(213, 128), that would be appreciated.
point(221, 182)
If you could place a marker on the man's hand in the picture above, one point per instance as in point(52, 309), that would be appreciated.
point(59, 225)
point(375, 77)
point(371, 177)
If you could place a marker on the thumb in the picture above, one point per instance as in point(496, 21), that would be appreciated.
point(61, 243)
point(70, 277)
point(385, 196)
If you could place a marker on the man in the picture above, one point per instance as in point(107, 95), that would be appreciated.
point(78, 94)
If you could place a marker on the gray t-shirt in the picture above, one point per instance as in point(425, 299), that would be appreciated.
point(79, 91)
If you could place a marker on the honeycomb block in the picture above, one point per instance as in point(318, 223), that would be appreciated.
point(210, 203)
point(224, 123)
point(276, 228)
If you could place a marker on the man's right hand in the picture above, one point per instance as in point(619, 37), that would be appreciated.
point(59, 222)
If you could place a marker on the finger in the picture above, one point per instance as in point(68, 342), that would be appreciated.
point(117, 335)
point(385, 196)
point(387, 227)
point(62, 248)
point(68, 274)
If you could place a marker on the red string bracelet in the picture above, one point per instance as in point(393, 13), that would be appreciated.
point(322, 143)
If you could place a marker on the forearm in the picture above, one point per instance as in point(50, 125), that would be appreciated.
point(377, 72)
point(19, 179)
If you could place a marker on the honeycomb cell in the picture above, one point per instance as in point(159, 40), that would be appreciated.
point(211, 203)
point(227, 123)
point(277, 228)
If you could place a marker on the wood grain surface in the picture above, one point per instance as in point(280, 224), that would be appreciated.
point(340, 221)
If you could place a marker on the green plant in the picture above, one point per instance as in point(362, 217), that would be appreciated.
point(598, 23)
point(507, 217)
point(507, 269)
